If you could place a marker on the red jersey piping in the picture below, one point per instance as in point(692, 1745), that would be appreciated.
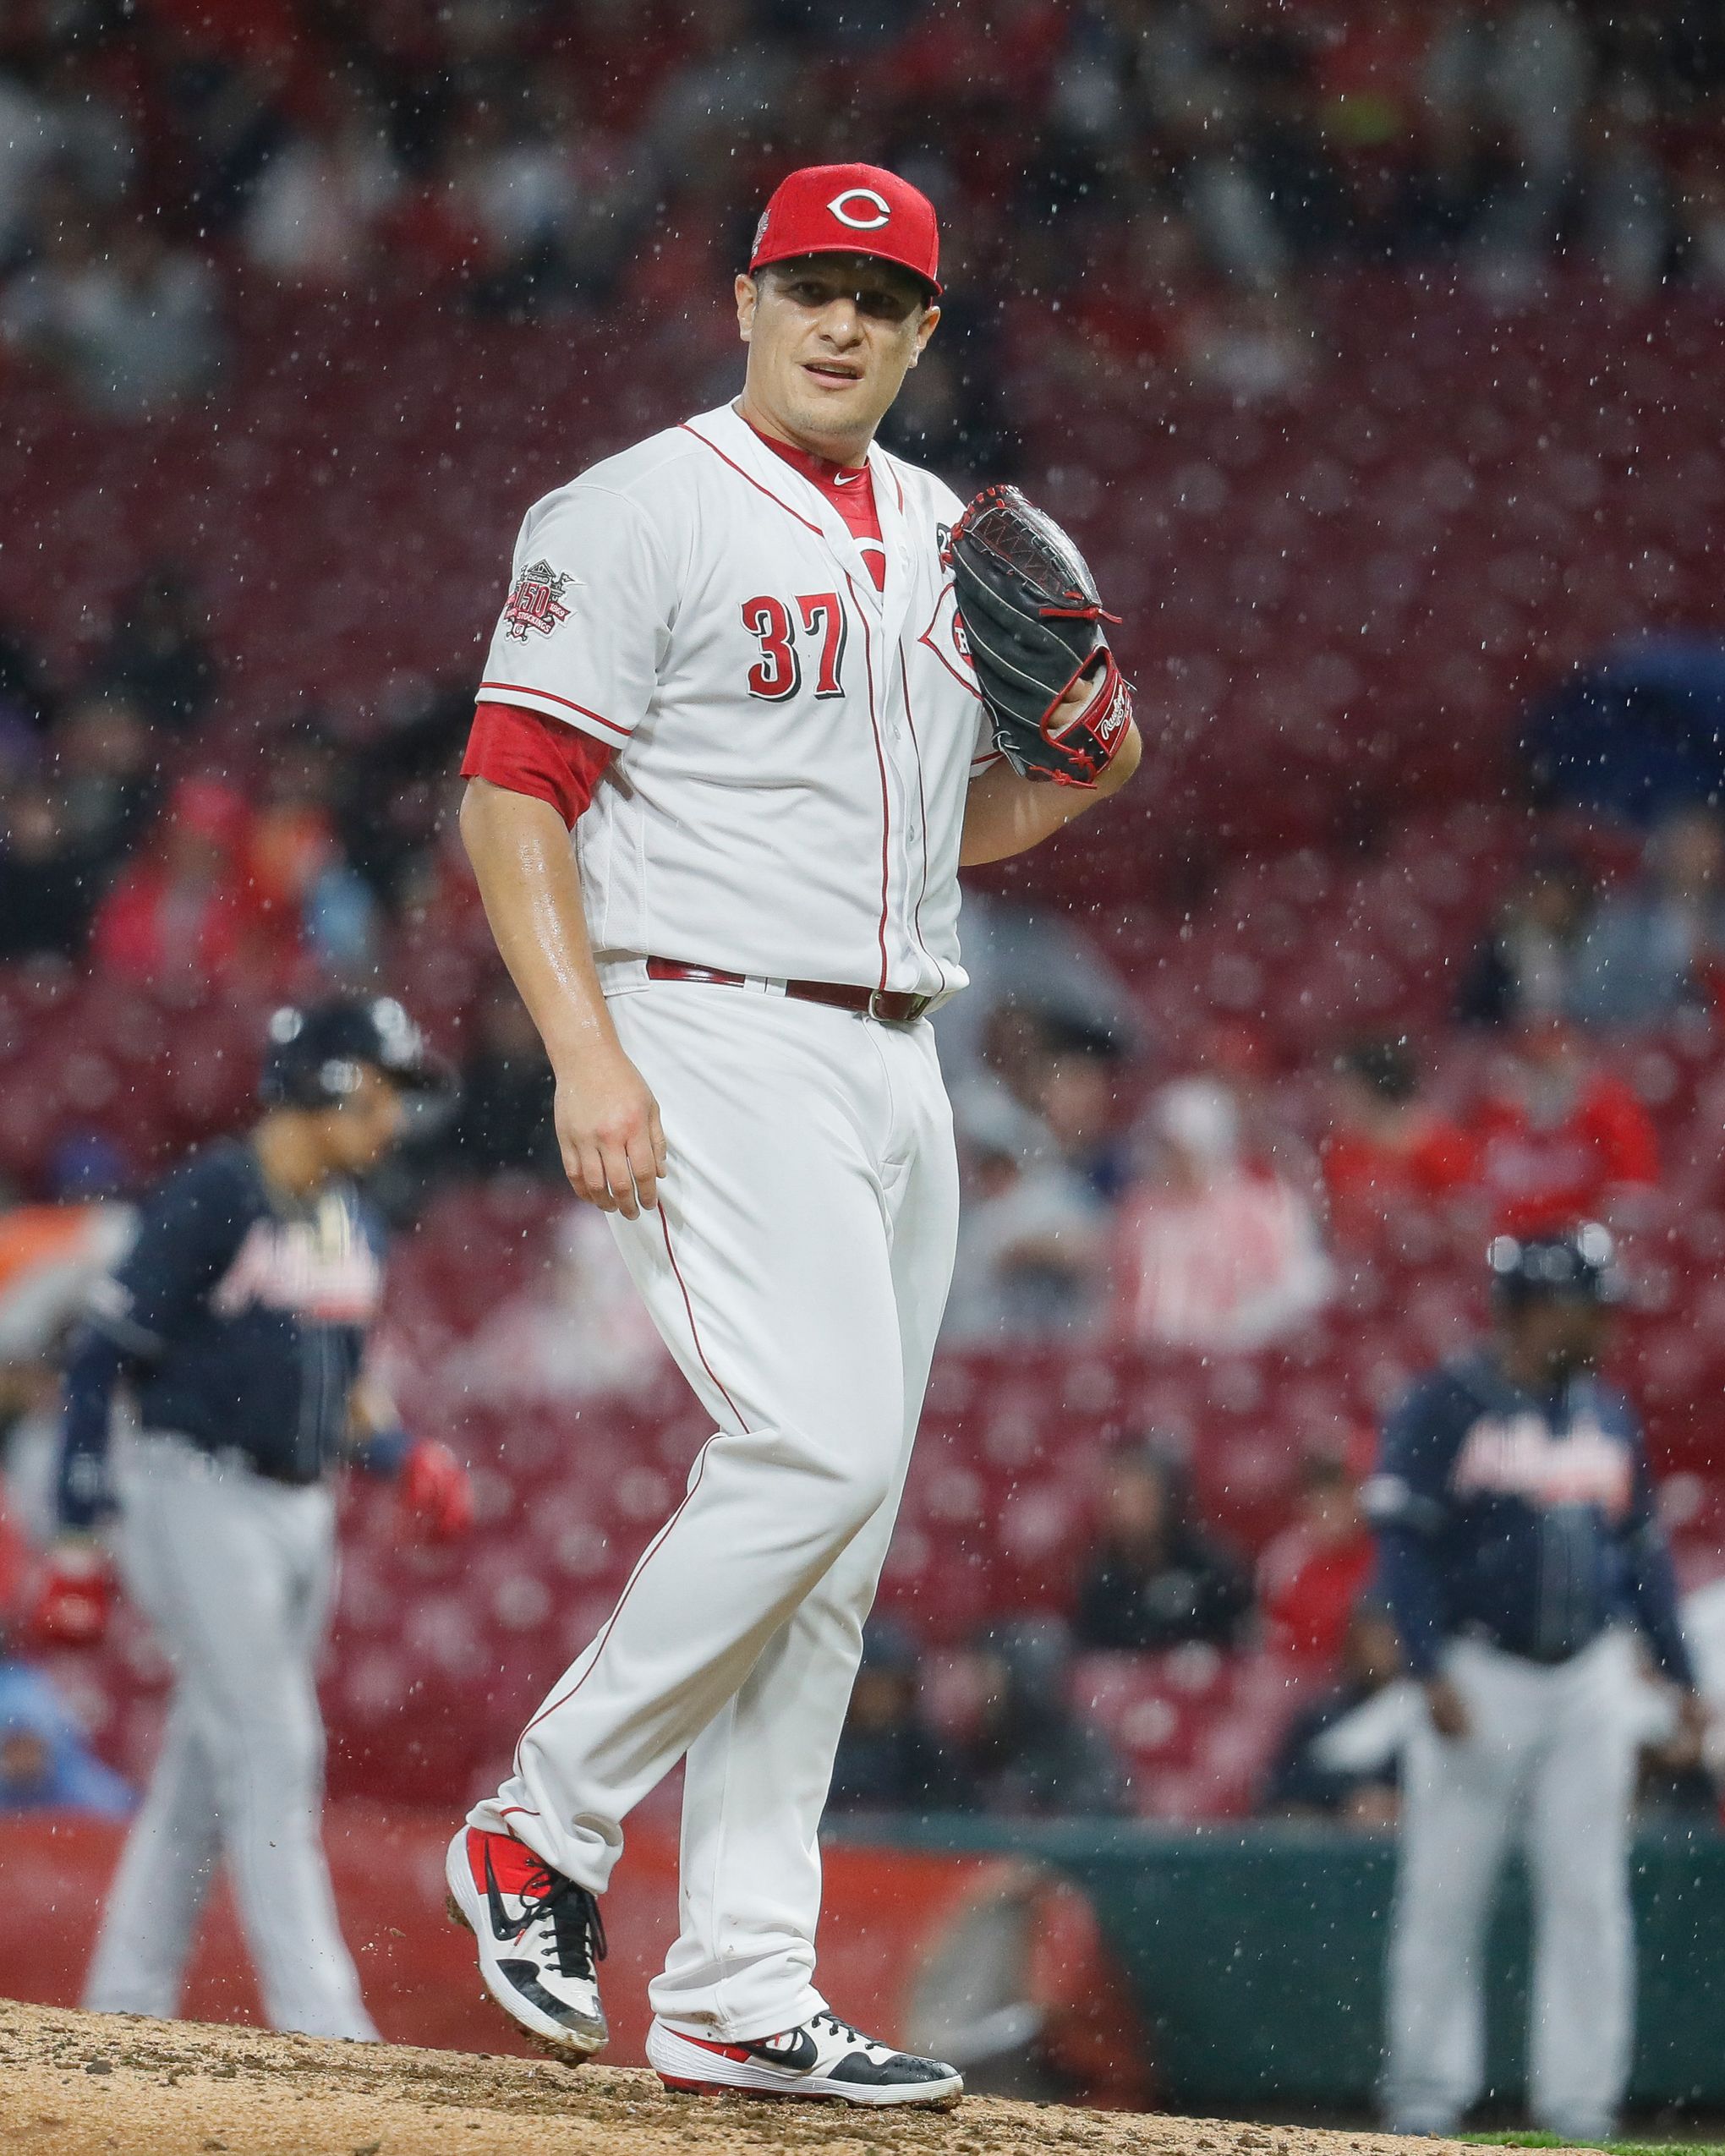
point(657, 1543)
point(520, 688)
point(750, 478)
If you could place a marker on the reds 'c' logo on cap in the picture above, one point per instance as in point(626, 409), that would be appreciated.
point(865, 221)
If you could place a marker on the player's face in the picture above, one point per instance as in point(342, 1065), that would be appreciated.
point(1566, 1333)
point(366, 1124)
point(830, 339)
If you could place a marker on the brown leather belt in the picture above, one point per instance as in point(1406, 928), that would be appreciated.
point(896, 1006)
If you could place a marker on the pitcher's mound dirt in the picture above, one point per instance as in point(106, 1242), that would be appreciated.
point(88, 2084)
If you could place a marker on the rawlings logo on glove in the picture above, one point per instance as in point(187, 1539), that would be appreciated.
point(1032, 619)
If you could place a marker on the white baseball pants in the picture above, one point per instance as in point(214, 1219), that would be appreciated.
point(797, 1265)
point(237, 1574)
point(1549, 1758)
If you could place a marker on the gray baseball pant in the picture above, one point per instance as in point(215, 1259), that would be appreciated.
point(237, 1573)
point(1550, 1757)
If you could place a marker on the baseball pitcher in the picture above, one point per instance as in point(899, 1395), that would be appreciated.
point(780, 685)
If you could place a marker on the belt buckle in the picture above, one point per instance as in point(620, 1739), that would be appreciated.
point(916, 1005)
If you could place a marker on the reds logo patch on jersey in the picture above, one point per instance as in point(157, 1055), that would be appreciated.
point(535, 603)
point(1519, 1456)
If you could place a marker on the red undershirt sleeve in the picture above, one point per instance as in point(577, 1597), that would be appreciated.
point(525, 752)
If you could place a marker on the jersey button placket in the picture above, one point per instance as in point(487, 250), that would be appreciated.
point(906, 811)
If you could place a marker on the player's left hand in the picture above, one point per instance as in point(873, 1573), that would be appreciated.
point(1685, 1745)
point(1076, 702)
point(436, 1490)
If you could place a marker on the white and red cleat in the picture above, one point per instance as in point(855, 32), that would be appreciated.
point(539, 1936)
point(824, 2057)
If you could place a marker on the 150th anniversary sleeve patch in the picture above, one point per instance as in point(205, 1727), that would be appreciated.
point(536, 605)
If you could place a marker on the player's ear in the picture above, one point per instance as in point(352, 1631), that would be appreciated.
point(925, 330)
point(746, 296)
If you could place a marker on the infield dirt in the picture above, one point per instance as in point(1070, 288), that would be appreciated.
point(86, 2085)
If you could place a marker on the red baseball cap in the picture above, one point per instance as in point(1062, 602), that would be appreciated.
point(849, 209)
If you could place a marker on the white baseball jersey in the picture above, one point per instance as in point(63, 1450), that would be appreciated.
point(794, 746)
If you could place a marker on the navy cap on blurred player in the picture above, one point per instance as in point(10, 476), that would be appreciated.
point(314, 1052)
point(1580, 1264)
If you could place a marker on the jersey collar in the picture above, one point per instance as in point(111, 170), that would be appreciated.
point(727, 431)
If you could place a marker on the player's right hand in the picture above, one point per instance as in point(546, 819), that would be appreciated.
point(436, 1490)
point(73, 1598)
point(612, 1141)
point(1447, 1707)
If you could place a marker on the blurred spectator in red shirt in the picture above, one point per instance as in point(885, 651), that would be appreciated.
point(1213, 1251)
point(184, 907)
point(1561, 1138)
point(1387, 1148)
point(1526, 966)
point(434, 231)
point(1155, 1578)
point(298, 874)
point(1312, 1573)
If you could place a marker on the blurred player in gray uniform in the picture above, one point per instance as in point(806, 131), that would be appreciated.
point(1517, 1534)
point(239, 1322)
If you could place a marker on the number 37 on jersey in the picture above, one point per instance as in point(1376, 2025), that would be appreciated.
point(807, 633)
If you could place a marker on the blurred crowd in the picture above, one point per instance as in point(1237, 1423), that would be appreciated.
point(1209, 1209)
point(1003, 1735)
point(121, 844)
point(1172, 173)
point(1001, 1726)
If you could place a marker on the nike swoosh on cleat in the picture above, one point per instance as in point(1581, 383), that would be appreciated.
point(798, 2057)
point(523, 1976)
point(503, 1926)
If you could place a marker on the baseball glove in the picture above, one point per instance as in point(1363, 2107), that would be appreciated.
point(1032, 621)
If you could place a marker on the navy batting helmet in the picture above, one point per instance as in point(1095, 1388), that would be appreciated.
point(315, 1054)
point(1581, 1262)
